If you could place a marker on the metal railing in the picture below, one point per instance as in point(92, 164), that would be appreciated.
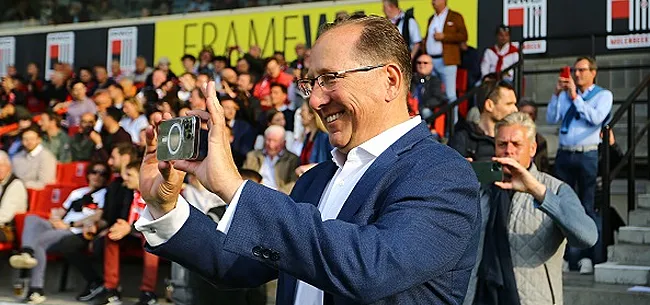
point(633, 138)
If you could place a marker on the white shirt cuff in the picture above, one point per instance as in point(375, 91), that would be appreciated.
point(159, 231)
point(226, 220)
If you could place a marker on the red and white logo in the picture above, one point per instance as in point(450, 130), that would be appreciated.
point(59, 48)
point(7, 53)
point(624, 16)
point(123, 47)
point(530, 15)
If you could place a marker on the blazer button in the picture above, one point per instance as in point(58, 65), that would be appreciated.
point(275, 256)
point(266, 254)
point(257, 251)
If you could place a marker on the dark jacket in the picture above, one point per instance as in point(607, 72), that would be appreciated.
point(110, 140)
point(428, 91)
point(117, 202)
point(471, 142)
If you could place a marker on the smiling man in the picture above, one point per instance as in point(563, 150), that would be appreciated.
point(380, 223)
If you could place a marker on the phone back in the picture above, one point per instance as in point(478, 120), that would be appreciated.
point(179, 139)
point(488, 172)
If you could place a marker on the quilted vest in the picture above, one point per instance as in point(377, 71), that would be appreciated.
point(537, 247)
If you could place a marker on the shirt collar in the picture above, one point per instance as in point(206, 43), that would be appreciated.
point(444, 12)
point(36, 151)
point(377, 145)
point(588, 90)
point(396, 19)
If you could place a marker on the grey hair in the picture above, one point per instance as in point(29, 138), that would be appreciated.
point(4, 158)
point(518, 118)
point(273, 129)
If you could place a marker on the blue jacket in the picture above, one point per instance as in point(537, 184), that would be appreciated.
point(407, 234)
point(321, 151)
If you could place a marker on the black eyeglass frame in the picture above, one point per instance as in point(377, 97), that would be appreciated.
point(311, 82)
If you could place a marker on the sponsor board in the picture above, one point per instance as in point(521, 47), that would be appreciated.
point(628, 16)
point(59, 48)
point(123, 48)
point(529, 17)
point(7, 54)
point(278, 28)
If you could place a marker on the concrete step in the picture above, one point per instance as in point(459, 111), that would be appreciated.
point(639, 218)
point(583, 290)
point(643, 201)
point(628, 254)
point(614, 273)
point(634, 235)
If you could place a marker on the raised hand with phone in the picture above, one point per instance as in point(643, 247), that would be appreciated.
point(566, 83)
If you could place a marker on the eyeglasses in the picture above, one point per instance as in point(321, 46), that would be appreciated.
point(96, 172)
point(327, 80)
point(423, 63)
point(581, 69)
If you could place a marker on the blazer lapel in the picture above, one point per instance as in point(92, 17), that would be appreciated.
point(381, 165)
point(287, 284)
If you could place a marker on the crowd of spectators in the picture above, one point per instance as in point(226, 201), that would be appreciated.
point(84, 114)
point(46, 12)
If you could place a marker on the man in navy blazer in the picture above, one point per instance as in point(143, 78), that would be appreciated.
point(393, 218)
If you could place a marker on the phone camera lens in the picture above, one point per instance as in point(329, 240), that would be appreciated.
point(496, 167)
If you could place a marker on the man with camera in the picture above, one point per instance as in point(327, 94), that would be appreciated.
point(582, 107)
point(526, 218)
point(380, 223)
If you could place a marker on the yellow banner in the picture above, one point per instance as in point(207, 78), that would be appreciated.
point(278, 28)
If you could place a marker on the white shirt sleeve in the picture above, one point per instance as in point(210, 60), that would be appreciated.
point(226, 220)
point(159, 231)
point(414, 31)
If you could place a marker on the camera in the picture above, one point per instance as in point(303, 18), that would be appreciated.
point(181, 139)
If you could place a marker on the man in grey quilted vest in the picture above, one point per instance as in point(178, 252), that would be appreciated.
point(526, 218)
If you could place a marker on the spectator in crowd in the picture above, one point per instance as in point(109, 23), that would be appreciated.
point(250, 109)
point(508, 269)
point(55, 140)
point(80, 208)
point(276, 165)
point(81, 146)
point(141, 72)
point(476, 141)
point(299, 62)
point(445, 33)
point(405, 23)
point(134, 120)
point(528, 106)
point(187, 84)
point(425, 200)
point(116, 93)
point(13, 140)
point(55, 90)
point(205, 62)
point(13, 199)
point(116, 71)
point(426, 87)
point(103, 100)
point(103, 80)
point(282, 61)
point(86, 77)
point(34, 165)
point(20, 12)
point(202, 79)
point(189, 64)
point(243, 133)
point(501, 55)
point(164, 65)
point(128, 87)
point(35, 86)
point(121, 232)
point(255, 60)
point(197, 100)
point(275, 117)
point(340, 16)
point(315, 146)
point(198, 6)
point(274, 74)
point(279, 102)
point(582, 107)
point(78, 13)
point(242, 66)
point(112, 134)
point(11, 93)
point(79, 105)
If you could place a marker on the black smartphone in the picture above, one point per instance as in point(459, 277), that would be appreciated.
point(488, 172)
point(182, 139)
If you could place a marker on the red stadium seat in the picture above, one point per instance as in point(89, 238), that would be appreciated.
point(72, 130)
point(51, 197)
point(72, 173)
point(461, 89)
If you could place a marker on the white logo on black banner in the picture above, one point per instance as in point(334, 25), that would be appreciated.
point(624, 16)
point(122, 47)
point(7, 53)
point(59, 48)
point(530, 15)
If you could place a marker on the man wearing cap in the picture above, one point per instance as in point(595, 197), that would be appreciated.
point(501, 55)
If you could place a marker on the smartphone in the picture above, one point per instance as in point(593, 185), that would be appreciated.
point(565, 72)
point(182, 139)
point(488, 172)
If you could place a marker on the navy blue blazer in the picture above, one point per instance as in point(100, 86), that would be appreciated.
point(407, 234)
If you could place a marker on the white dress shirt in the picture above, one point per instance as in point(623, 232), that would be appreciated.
point(351, 168)
point(414, 29)
point(434, 47)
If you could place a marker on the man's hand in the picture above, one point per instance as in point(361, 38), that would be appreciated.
point(96, 138)
point(59, 224)
point(304, 168)
point(522, 180)
point(118, 230)
point(217, 172)
point(438, 36)
point(569, 85)
point(160, 182)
